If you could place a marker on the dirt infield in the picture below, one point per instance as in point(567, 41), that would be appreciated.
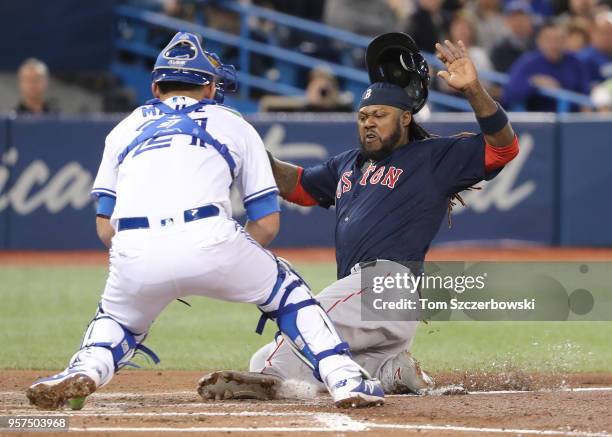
point(139, 402)
point(328, 255)
point(156, 403)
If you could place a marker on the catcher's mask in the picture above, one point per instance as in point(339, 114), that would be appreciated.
point(184, 60)
point(226, 79)
point(394, 58)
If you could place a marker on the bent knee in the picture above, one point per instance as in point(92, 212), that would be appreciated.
point(258, 360)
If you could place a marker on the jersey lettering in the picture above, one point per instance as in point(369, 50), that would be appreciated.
point(153, 143)
point(149, 111)
point(376, 177)
point(366, 174)
point(170, 121)
point(392, 176)
point(194, 140)
point(145, 125)
point(344, 184)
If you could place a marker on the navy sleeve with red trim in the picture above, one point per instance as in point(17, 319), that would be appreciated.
point(466, 159)
point(459, 162)
point(497, 157)
point(299, 195)
point(321, 180)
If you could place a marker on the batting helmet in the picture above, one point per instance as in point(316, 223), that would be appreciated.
point(394, 58)
point(184, 60)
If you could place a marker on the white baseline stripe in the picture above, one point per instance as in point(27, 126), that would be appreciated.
point(340, 422)
point(490, 430)
point(103, 413)
point(331, 422)
point(512, 392)
point(120, 407)
point(563, 390)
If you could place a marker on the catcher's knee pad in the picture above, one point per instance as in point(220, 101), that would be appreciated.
point(296, 312)
point(107, 333)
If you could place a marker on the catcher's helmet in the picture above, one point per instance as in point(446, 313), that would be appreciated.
point(394, 58)
point(226, 80)
point(184, 60)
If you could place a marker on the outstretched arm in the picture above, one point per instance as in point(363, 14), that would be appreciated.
point(285, 175)
point(288, 179)
point(462, 76)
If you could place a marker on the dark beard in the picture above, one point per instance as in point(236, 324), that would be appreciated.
point(388, 146)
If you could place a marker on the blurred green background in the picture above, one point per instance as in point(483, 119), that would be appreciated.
point(44, 311)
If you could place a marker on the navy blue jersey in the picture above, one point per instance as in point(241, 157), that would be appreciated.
point(392, 209)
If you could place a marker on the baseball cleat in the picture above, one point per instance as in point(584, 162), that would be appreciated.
point(54, 392)
point(230, 384)
point(403, 375)
point(358, 393)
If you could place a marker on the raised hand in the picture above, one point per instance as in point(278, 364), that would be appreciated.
point(460, 70)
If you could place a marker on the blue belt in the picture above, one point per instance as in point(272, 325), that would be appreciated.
point(189, 215)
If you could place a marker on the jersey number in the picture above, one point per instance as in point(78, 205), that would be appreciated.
point(165, 141)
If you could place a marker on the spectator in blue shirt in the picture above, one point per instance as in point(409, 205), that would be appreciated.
point(550, 66)
point(597, 57)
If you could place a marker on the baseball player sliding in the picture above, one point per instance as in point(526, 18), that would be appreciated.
point(164, 209)
point(390, 196)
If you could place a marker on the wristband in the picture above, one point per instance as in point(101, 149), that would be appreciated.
point(493, 123)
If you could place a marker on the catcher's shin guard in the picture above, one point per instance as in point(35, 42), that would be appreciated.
point(306, 327)
point(107, 347)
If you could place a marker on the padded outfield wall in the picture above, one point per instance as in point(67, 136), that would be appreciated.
point(557, 192)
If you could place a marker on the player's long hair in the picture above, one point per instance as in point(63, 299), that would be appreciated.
point(416, 132)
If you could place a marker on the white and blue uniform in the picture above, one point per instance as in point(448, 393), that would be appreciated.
point(162, 180)
point(187, 173)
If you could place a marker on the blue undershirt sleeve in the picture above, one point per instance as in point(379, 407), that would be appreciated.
point(106, 205)
point(262, 206)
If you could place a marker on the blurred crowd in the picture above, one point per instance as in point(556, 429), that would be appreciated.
point(546, 44)
point(32, 83)
point(539, 44)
